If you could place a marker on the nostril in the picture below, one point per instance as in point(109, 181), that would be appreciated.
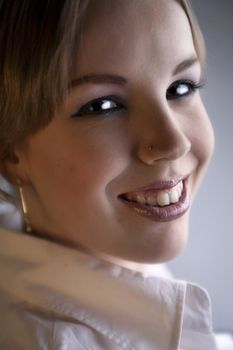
point(168, 150)
point(179, 148)
point(161, 136)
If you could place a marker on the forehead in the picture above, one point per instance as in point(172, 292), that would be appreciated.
point(132, 32)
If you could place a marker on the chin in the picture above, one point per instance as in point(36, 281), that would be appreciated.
point(164, 255)
point(160, 246)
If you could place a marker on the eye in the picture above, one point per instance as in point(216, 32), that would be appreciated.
point(100, 106)
point(181, 88)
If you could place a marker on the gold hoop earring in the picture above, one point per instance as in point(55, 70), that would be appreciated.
point(28, 227)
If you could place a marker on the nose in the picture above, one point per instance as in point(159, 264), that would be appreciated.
point(162, 135)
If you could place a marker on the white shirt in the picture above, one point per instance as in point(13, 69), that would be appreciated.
point(54, 297)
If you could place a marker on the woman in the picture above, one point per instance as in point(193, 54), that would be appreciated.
point(104, 134)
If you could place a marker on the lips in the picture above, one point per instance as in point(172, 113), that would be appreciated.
point(162, 201)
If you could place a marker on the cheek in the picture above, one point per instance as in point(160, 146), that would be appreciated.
point(204, 140)
point(201, 135)
point(98, 161)
point(81, 164)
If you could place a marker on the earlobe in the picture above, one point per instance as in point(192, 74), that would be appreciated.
point(13, 169)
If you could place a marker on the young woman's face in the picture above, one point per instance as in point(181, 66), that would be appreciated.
point(107, 173)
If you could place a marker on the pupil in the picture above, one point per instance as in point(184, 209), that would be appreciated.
point(96, 107)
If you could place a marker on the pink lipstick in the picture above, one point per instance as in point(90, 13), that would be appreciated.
point(163, 201)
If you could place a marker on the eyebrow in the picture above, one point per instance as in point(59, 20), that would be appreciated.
point(119, 80)
point(98, 79)
point(185, 64)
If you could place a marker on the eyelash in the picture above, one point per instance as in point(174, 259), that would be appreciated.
point(104, 99)
point(192, 87)
point(170, 95)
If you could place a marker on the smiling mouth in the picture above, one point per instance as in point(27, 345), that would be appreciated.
point(162, 202)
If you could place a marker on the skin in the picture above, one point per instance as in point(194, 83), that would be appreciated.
point(75, 168)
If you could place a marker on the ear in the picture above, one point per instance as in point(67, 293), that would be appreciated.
point(13, 167)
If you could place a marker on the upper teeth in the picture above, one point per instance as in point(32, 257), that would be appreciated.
point(161, 198)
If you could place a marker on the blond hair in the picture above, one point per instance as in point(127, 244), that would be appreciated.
point(37, 41)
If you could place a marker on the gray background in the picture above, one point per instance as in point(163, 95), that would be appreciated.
point(208, 259)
